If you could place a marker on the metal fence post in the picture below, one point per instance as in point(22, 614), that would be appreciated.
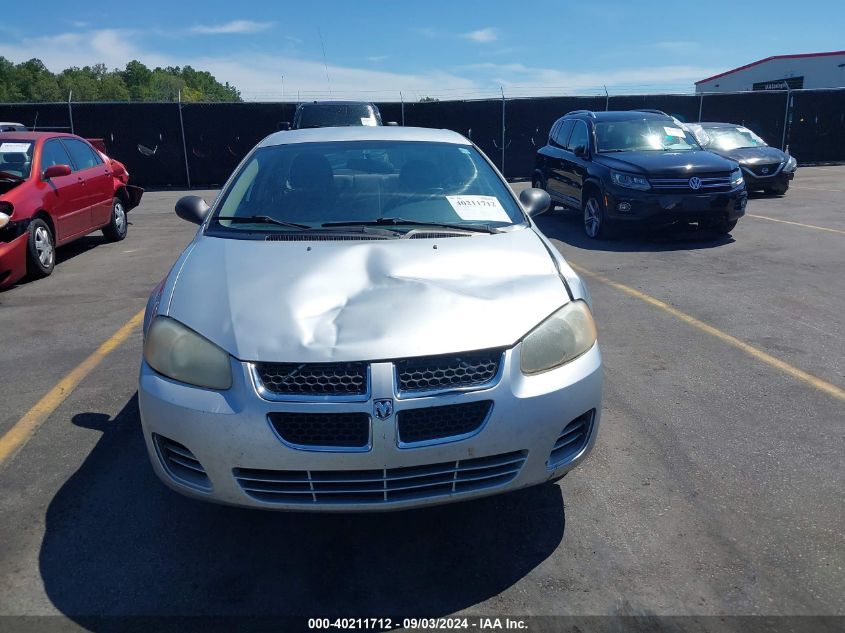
point(70, 110)
point(786, 120)
point(184, 145)
point(700, 106)
point(402, 99)
point(503, 129)
point(606, 99)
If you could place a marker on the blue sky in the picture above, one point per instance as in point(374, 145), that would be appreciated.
point(376, 48)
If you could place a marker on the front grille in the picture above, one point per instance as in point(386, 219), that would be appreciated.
point(313, 379)
point(758, 170)
point(180, 463)
point(336, 430)
point(380, 486)
point(434, 423)
point(709, 183)
point(572, 439)
point(434, 373)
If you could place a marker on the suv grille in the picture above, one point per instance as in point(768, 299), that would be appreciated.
point(433, 423)
point(380, 486)
point(770, 169)
point(313, 379)
point(572, 439)
point(434, 373)
point(339, 430)
point(709, 183)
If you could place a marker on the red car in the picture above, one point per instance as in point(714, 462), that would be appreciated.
point(55, 188)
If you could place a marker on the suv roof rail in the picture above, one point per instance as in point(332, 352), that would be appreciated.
point(652, 111)
point(589, 113)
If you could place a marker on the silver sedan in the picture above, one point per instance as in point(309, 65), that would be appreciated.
point(367, 319)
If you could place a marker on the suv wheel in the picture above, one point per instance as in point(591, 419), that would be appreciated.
point(596, 225)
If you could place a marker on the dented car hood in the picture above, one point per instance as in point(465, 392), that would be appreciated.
point(316, 301)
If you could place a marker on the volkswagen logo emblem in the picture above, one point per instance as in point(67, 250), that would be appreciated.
point(383, 409)
point(765, 170)
point(695, 183)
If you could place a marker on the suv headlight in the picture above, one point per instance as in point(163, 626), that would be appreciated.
point(736, 178)
point(562, 337)
point(178, 352)
point(630, 181)
point(791, 164)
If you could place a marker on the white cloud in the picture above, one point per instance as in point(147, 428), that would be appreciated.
point(677, 46)
point(377, 58)
point(258, 75)
point(482, 36)
point(235, 26)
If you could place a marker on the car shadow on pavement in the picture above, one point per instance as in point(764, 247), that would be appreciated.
point(565, 226)
point(118, 542)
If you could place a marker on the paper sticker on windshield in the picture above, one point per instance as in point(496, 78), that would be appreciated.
point(479, 208)
point(674, 131)
point(21, 148)
point(368, 120)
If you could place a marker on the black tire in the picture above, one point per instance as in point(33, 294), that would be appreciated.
point(41, 249)
point(118, 225)
point(725, 227)
point(595, 222)
point(777, 190)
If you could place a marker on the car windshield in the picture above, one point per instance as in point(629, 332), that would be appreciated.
point(15, 159)
point(336, 115)
point(399, 183)
point(728, 138)
point(638, 135)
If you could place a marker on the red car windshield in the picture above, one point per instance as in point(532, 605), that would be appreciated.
point(15, 159)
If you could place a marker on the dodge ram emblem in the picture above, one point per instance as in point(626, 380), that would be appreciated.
point(695, 183)
point(383, 408)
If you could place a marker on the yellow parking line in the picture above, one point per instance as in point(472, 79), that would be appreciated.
point(772, 361)
point(15, 438)
point(806, 226)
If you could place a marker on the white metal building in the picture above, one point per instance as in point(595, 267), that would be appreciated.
point(781, 72)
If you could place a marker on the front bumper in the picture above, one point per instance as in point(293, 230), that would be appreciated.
point(12, 260)
point(229, 432)
point(658, 209)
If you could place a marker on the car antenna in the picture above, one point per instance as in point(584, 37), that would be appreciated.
point(325, 63)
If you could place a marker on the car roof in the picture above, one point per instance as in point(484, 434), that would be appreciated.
point(334, 103)
point(33, 136)
point(364, 133)
point(616, 115)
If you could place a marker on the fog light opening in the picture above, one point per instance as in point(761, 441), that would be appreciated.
point(623, 207)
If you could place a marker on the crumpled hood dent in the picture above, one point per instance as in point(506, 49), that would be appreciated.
point(378, 300)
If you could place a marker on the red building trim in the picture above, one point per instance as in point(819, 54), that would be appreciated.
point(768, 59)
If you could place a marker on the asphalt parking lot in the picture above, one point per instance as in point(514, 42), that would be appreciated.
point(717, 486)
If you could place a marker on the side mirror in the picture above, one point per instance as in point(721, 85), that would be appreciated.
point(56, 171)
point(283, 126)
point(581, 151)
point(192, 208)
point(535, 201)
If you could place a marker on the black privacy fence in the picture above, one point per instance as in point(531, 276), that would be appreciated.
point(199, 144)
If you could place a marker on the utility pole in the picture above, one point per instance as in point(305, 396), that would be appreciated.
point(503, 129)
point(184, 145)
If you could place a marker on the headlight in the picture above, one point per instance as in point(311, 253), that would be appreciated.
point(791, 164)
point(562, 337)
point(4, 219)
point(736, 178)
point(629, 180)
point(178, 352)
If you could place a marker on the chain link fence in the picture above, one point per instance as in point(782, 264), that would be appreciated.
point(199, 144)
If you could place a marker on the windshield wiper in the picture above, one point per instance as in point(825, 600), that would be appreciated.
point(262, 219)
point(481, 228)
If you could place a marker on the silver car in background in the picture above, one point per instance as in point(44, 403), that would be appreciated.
point(367, 319)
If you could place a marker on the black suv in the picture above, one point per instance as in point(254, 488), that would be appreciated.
point(335, 114)
point(638, 167)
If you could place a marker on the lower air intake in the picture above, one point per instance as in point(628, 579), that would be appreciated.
point(572, 439)
point(332, 487)
point(180, 463)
